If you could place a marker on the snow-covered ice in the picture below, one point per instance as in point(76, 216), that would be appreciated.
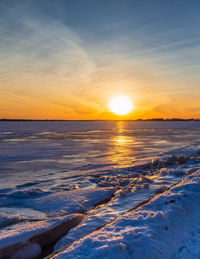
point(67, 202)
point(157, 229)
point(100, 170)
point(125, 198)
point(15, 238)
point(6, 220)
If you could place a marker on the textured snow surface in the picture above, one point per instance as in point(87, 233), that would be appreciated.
point(63, 202)
point(72, 201)
point(51, 169)
point(30, 251)
point(161, 228)
point(6, 220)
point(21, 232)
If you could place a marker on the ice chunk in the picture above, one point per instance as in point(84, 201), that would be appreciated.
point(72, 201)
point(16, 239)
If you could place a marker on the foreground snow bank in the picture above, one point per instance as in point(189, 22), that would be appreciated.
point(76, 201)
point(157, 229)
point(26, 240)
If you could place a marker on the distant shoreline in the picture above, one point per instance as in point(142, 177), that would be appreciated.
point(156, 119)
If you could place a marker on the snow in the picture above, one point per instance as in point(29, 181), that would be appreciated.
point(30, 251)
point(23, 213)
point(190, 248)
point(52, 169)
point(16, 238)
point(59, 203)
point(23, 231)
point(6, 220)
point(67, 202)
point(158, 229)
point(58, 155)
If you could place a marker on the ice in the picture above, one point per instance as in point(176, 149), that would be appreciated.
point(30, 251)
point(157, 229)
point(104, 214)
point(128, 196)
point(25, 213)
point(16, 239)
point(67, 202)
point(53, 154)
point(6, 220)
point(58, 203)
point(98, 169)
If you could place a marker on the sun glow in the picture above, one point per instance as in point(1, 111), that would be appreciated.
point(120, 105)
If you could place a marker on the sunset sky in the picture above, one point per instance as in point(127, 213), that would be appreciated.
point(66, 59)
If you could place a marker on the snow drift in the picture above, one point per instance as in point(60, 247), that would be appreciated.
point(157, 229)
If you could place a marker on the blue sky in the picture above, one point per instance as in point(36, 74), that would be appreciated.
point(61, 55)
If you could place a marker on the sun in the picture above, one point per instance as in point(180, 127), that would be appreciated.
point(120, 105)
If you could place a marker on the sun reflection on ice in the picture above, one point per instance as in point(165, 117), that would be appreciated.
point(121, 146)
point(120, 139)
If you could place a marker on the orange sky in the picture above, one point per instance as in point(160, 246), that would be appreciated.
point(54, 69)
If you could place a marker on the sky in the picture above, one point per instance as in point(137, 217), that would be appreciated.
point(66, 59)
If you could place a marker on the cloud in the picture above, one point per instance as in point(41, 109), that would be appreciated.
point(41, 62)
point(44, 55)
point(177, 109)
point(75, 67)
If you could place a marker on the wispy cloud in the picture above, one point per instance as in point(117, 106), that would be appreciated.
point(49, 55)
point(72, 65)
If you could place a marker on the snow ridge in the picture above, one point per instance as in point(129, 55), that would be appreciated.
point(158, 229)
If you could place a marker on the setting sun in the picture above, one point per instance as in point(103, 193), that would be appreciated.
point(120, 105)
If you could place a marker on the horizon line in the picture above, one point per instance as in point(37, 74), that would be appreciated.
point(151, 119)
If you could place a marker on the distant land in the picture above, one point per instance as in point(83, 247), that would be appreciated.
point(153, 119)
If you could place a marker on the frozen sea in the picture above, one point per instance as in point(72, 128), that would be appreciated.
point(53, 156)
point(55, 168)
